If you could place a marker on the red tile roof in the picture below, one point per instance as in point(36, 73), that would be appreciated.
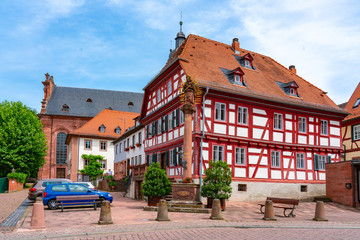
point(203, 59)
point(354, 112)
point(111, 119)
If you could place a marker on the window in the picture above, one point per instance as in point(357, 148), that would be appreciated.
point(324, 127)
point(78, 188)
point(242, 187)
point(65, 108)
point(133, 140)
point(220, 110)
point(300, 160)
point(102, 128)
point(303, 188)
point(302, 124)
point(120, 146)
point(88, 144)
point(242, 115)
point(247, 63)
point(171, 162)
point(128, 142)
point(140, 139)
point(169, 87)
point(218, 153)
point(293, 92)
point(158, 95)
point(124, 145)
point(103, 164)
point(59, 188)
point(356, 103)
point(182, 117)
point(275, 159)
point(130, 104)
point(102, 146)
point(278, 121)
point(159, 126)
point(356, 132)
point(116, 149)
point(118, 130)
point(89, 100)
point(136, 160)
point(140, 159)
point(86, 162)
point(240, 156)
point(237, 78)
point(132, 161)
point(171, 121)
point(61, 148)
point(321, 162)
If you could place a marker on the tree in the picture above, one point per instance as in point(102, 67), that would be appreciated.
point(156, 183)
point(93, 168)
point(22, 140)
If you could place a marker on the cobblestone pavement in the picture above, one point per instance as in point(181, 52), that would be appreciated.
point(242, 221)
point(10, 201)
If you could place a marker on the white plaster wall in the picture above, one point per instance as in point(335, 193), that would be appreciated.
point(242, 132)
point(220, 128)
point(278, 136)
point(259, 121)
point(258, 191)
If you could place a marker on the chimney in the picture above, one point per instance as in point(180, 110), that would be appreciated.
point(236, 45)
point(292, 68)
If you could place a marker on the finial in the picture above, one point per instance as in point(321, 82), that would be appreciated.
point(181, 22)
point(47, 76)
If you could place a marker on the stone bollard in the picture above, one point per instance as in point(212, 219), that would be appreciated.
point(216, 210)
point(105, 213)
point(162, 213)
point(269, 211)
point(320, 211)
point(37, 217)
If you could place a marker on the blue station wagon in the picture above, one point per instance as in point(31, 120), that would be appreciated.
point(70, 189)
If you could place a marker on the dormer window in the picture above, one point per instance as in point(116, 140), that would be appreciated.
point(245, 61)
point(118, 130)
point(289, 88)
point(235, 76)
point(130, 104)
point(89, 100)
point(102, 128)
point(65, 108)
point(357, 103)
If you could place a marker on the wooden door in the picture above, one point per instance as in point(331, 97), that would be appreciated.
point(60, 173)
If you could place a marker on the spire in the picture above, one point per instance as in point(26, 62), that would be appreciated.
point(180, 36)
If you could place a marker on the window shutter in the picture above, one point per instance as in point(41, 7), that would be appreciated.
point(180, 156)
point(148, 159)
point(352, 133)
point(175, 157)
point(161, 120)
point(166, 123)
point(316, 162)
point(167, 158)
point(156, 128)
point(328, 159)
point(177, 117)
point(147, 132)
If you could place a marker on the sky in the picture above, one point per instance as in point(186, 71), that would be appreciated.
point(123, 44)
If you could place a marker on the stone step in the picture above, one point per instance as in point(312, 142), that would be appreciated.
point(179, 209)
point(179, 205)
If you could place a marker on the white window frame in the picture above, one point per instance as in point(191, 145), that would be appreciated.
point(302, 125)
point(237, 78)
point(182, 117)
point(300, 160)
point(120, 146)
point(321, 162)
point(218, 153)
point(170, 121)
point(275, 159)
point(247, 63)
point(243, 114)
point(278, 121)
point(220, 111)
point(240, 156)
point(356, 132)
point(139, 159)
point(158, 95)
point(136, 160)
point(169, 87)
point(323, 127)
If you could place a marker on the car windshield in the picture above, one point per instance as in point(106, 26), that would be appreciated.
point(48, 183)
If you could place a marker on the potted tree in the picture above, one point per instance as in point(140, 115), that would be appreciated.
point(217, 183)
point(156, 184)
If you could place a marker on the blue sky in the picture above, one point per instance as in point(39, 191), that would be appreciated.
point(122, 45)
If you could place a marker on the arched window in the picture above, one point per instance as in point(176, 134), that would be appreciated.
point(102, 128)
point(130, 104)
point(89, 100)
point(61, 148)
point(65, 108)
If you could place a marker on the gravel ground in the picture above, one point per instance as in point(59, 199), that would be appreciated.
point(10, 201)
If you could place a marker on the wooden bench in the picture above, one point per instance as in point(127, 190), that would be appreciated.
point(285, 202)
point(73, 200)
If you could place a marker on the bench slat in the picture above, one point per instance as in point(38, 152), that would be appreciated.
point(284, 200)
point(75, 198)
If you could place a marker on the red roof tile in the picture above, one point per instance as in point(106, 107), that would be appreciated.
point(354, 112)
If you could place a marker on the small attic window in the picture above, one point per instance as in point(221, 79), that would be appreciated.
point(289, 88)
point(247, 63)
point(131, 104)
point(102, 128)
point(110, 108)
point(357, 103)
point(235, 76)
point(65, 108)
point(89, 100)
point(118, 130)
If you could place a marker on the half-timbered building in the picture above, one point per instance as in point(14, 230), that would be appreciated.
point(275, 129)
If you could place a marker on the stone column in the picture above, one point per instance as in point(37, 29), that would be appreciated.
point(188, 145)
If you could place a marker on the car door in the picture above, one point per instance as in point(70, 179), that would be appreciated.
point(78, 189)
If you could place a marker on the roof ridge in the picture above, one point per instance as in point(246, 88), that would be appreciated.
point(97, 89)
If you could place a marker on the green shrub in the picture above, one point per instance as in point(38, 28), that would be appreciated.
point(109, 177)
point(156, 183)
point(20, 177)
point(217, 182)
point(112, 184)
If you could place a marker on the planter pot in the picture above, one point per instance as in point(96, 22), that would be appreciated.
point(222, 203)
point(152, 201)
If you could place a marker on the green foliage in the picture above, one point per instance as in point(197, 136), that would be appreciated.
point(23, 144)
point(20, 177)
point(93, 169)
point(112, 184)
point(109, 177)
point(156, 183)
point(217, 182)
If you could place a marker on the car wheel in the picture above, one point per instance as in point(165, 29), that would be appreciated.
point(101, 200)
point(52, 204)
